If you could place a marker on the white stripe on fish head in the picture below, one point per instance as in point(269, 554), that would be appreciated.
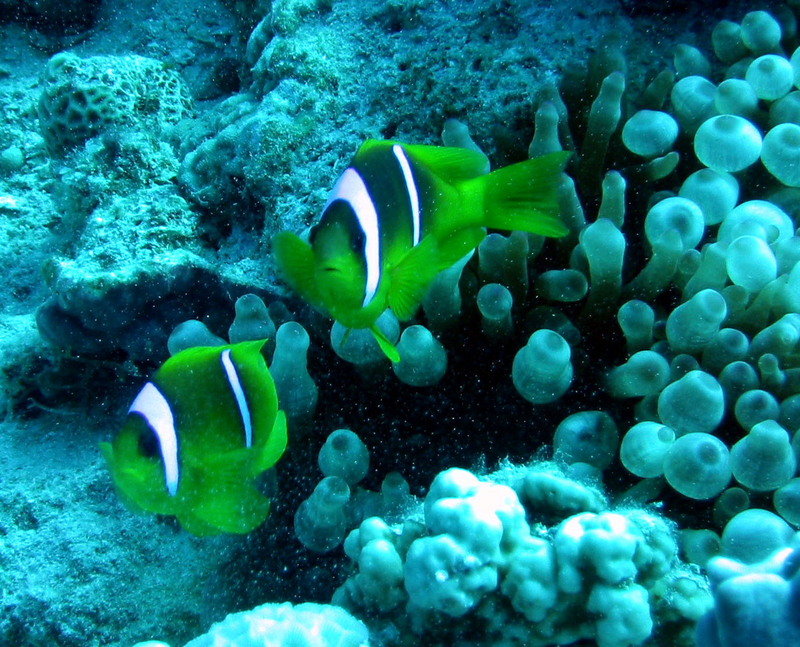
point(238, 393)
point(154, 408)
point(411, 190)
point(350, 188)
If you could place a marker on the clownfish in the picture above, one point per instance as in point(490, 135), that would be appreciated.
point(400, 214)
point(197, 437)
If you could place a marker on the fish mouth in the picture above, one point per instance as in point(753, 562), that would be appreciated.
point(331, 269)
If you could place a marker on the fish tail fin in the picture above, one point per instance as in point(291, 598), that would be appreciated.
point(524, 196)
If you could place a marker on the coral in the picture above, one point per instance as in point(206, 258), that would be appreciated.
point(306, 59)
point(542, 371)
point(484, 556)
point(320, 522)
point(287, 15)
point(344, 455)
point(272, 625)
point(296, 390)
point(19, 363)
point(82, 98)
point(130, 258)
point(233, 164)
point(720, 245)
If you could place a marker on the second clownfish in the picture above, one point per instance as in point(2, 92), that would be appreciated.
point(197, 438)
point(400, 214)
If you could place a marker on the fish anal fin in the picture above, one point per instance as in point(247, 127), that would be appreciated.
point(236, 508)
point(458, 244)
point(388, 348)
point(193, 524)
point(224, 497)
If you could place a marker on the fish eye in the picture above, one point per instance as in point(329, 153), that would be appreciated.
point(357, 241)
point(149, 447)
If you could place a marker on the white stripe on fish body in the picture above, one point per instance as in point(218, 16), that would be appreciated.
point(238, 393)
point(411, 190)
point(351, 189)
point(154, 408)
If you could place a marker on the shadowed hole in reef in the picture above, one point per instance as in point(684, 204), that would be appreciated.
point(473, 416)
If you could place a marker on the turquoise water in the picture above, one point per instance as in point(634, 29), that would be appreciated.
point(150, 151)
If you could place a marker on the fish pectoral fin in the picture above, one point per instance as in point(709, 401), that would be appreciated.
point(107, 450)
point(388, 348)
point(450, 163)
point(295, 260)
point(411, 277)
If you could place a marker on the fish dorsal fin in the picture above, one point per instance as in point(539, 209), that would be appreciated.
point(295, 260)
point(450, 163)
point(370, 144)
point(410, 278)
point(386, 346)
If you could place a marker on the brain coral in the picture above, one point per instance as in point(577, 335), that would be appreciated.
point(83, 97)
